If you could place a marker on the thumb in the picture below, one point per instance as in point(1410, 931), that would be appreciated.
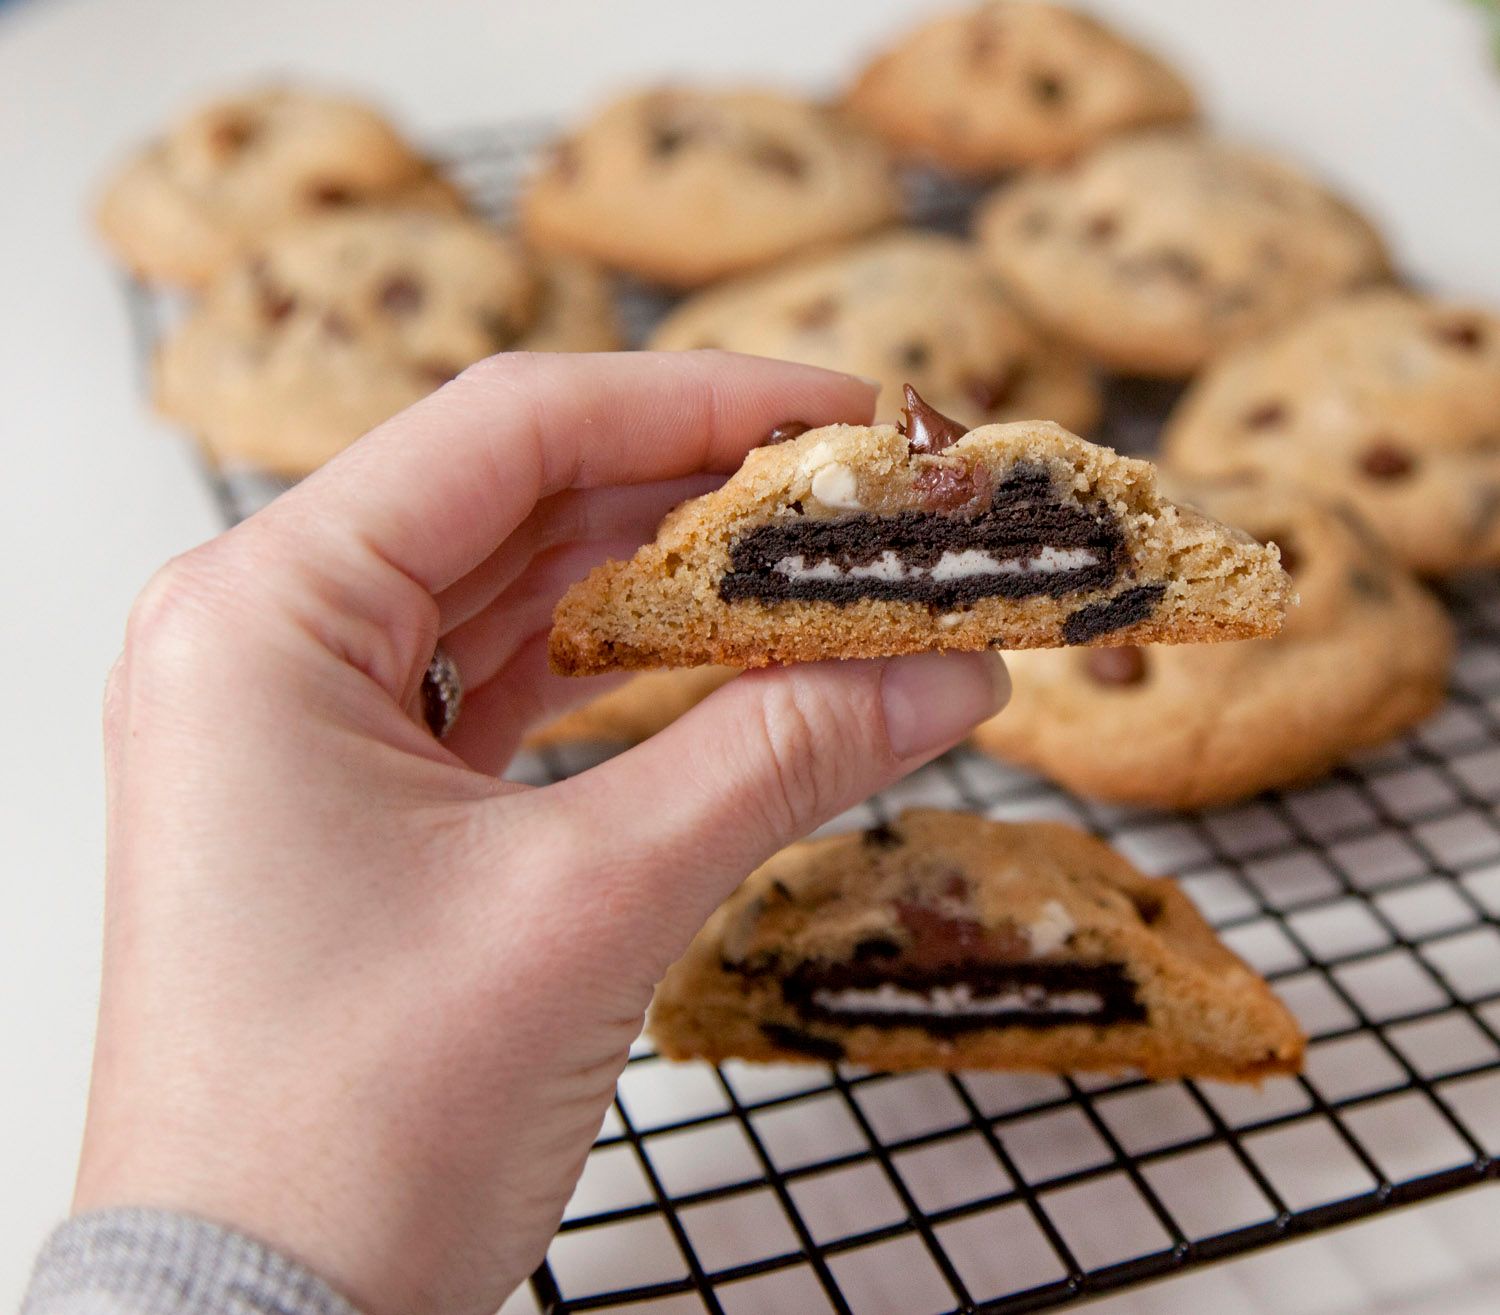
point(674, 825)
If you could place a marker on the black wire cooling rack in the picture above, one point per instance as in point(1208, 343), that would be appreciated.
point(1369, 900)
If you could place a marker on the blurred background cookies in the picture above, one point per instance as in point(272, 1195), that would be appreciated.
point(682, 186)
point(905, 307)
point(1013, 83)
point(1364, 657)
point(219, 180)
point(1157, 251)
point(335, 325)
point(1389, 398)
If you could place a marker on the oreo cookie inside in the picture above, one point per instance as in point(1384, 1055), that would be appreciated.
point(1027, 542)
point(962, 997)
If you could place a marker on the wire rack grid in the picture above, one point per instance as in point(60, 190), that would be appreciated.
point(1370, 901)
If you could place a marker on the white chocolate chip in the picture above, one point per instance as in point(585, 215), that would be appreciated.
point(1051, 930)
point(950, 619)
point(820, 454)
point(835, 486)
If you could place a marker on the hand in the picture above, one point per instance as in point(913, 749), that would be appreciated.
point(361, 999)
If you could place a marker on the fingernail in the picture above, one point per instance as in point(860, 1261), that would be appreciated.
point(932, 700)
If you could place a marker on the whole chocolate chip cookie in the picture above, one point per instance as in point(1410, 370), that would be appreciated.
point(337, 324)
point(869, 541)
point(1389, 399)
point(1013, 83)
point(944, 940)
point(218, 182)
point(904, 307)
point(1362, 658)
point(1157, 251)
point(682, 187)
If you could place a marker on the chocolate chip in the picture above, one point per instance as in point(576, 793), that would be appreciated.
point(883, 836)
point(802, 1043)
point(1102, 227)
point(1048, 88)
point(1467, 335)
point(1264, 415)
point(778, 158)
point(330, 196)
point(400, 294)
point(784, 433)
point(230, 136)
point(999, 389)
point(816, 314)
point(336, 326)
point(667, 139)
point(927, 430)
point(439, 372)
point(950, 486)
point(1125, 665)
point(914, 355)
point(876, 947)
point(1384, 460)
point(275, 304)
point(1174, 263)
point(1148, 907)
point(498, 328)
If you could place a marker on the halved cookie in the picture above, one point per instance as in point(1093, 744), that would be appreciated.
point(869, 541)
point(949, 941)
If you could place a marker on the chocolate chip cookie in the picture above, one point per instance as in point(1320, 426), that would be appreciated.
point(645, 704)
point(1362, 658)
point(681, 187)
point(867, 541)
point(338, 323)
point(219, 181)
point(904, 307)
point(1013, 83)
point(948, 941)
point(1157, 251)
point(1389, 399)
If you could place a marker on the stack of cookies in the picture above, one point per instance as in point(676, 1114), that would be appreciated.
point(1346, 427)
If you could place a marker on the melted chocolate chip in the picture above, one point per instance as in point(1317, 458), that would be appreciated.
point(1265, 415)
point(802, 1043)
point(950, 486)
point(667, 139)
point(400, 294)
point(999, 389)
point(1384, 460)
point(1148, 907)
point(883, 836)
point(1124, 609)
point(1125, 665)
point(784, 433)
point(1467, 335)
point(330, 196)
point(926, 429)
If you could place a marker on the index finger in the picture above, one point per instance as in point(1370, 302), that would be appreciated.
point(434, 490)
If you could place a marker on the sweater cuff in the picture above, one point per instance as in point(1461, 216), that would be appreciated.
point(153, 1262)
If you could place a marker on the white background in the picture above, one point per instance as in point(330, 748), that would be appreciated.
point(1395, 99)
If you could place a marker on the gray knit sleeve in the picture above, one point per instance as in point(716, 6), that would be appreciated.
point(153, 1262)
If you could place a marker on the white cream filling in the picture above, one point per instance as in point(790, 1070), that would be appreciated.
point(961, 565)
point(957, 1001)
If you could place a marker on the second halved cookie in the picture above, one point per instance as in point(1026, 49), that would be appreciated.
point(867, 541)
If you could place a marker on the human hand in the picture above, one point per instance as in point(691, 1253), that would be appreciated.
point(361, 999)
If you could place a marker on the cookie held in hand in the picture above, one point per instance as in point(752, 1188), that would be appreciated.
point(871, 541)
point(949, 941)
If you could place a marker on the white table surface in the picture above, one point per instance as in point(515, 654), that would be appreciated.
point(1395, 99)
